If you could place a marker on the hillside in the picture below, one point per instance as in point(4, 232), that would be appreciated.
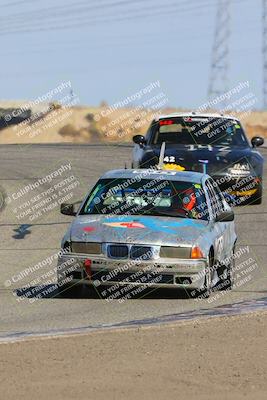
point(81, 124)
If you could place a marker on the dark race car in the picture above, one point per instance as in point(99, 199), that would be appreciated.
point(210, 143)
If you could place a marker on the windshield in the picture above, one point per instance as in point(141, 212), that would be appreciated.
point(146, 197)
point(199, 131)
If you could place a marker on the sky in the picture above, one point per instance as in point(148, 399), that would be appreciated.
point(110, 49)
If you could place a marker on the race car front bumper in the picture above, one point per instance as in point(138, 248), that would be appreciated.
point(101, 271)
point(239, 186)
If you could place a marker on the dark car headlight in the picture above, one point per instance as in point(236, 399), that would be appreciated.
point(239, 169)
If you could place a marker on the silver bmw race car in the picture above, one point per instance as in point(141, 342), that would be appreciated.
point(150, 228)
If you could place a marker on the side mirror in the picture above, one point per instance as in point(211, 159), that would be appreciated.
point(257, 141)
point(67, 209)
point(139, 139)
point(226, 216)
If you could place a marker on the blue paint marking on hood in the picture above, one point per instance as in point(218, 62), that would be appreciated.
point(158, 224)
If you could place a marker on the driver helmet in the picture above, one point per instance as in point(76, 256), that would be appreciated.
point(189, 199)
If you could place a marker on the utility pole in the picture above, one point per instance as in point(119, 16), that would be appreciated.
point(220, 52)
point(264, 51)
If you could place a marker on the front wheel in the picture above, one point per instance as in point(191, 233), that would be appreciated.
point(257, 197)
point(205, 291)
point(227, 277)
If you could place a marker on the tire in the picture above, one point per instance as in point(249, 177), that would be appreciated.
point(205, 292)
point(227, 277)
point(257, 197)
point(67, 288)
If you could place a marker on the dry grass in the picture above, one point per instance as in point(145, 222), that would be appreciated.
point(79, 125)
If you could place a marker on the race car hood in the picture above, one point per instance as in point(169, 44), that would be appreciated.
point(217, 158)
point(137, 229)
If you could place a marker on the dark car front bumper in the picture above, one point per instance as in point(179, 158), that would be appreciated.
point(239, 186)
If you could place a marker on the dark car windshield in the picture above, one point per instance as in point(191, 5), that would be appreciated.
point(199, 131)
point(146, 197)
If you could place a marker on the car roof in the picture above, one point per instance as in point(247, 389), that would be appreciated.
point(193, 114)
point(184, 176)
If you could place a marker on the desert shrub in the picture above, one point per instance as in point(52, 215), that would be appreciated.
point(68, 130)
point(90, 117)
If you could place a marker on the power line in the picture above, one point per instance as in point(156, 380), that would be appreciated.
point(81, 6)
point(15, 3)
point(69, 9)
point(85, 21)
point(61, 12)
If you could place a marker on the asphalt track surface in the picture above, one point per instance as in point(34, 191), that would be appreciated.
point(25, 243)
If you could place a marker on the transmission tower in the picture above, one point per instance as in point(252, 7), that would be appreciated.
point(264, 51)
point(220, 53)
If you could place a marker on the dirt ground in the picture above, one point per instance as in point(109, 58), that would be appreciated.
point(222, 358)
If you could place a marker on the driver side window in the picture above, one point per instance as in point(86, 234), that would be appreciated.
point(215, 199)
point(219, 196)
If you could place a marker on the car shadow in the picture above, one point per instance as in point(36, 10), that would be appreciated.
point(52, 291)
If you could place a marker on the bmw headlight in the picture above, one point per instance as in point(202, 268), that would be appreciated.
point(86, 247)
point(174, 252)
